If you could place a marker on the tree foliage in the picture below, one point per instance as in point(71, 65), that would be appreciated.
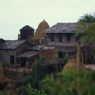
point(86, 24)
point(87, 18)
point(66, 83)
point(32, 91)
point(38, 73)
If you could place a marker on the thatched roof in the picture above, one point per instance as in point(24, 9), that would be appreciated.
point(40, 31)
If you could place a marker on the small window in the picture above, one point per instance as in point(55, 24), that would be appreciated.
point(52, 38)
point(60, 38)
point(11, 59)
point(68, 38)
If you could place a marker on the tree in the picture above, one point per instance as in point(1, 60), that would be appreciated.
point(87, 18)
point(66, 83)
point(38, 73)
point(86, 24)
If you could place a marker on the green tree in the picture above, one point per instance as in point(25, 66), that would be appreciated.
point(38, 73)
point(87, 18)
point(66, 83)
point(87, 24)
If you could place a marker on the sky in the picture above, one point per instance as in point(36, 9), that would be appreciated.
point(14, 14)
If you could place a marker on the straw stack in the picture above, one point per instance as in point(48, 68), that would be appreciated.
point(72, 65)
point(40, 31)
point(75, 64)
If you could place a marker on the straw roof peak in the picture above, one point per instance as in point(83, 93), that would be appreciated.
point(44, 24)
point(40, 31)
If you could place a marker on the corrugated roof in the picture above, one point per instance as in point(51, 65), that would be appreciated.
point(11, 44)
point(28, 54)
point(62, 28)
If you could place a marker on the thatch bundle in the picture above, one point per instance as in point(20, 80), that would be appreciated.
point(75, 64)
point(72, 65)
point(40, 31)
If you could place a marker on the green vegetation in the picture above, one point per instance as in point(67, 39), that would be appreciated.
point(88, 18)
point(32, 91)
point(1, 93)
point(66, 84)
point(87, 24)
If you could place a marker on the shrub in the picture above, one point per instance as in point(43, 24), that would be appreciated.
point(70, 83)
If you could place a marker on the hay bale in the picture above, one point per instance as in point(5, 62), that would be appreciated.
point(72, 65)
point(40, 31)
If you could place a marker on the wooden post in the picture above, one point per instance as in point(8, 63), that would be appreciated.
point(78, 67)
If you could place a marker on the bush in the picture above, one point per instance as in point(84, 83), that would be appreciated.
point(67, 83)
point(26, 80)
point(32, 91)
point(38, 73)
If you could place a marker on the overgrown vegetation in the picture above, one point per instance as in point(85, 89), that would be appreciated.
point(67, 82)
point(86, 24)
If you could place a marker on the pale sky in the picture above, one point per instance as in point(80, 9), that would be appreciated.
point(14, 14)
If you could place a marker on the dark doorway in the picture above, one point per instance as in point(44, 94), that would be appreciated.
point(11, 59)
point(60, 54)
point(23, 62)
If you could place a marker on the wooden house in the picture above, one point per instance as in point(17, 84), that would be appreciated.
point(15, 52)
point(62, 36)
